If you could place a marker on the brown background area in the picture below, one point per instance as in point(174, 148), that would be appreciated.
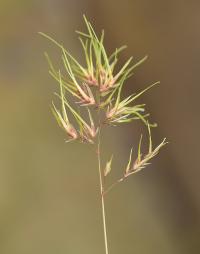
point(49, 190)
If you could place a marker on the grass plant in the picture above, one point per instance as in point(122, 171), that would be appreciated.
point(96, 88)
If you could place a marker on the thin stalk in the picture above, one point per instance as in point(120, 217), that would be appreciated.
point(102, 192)
point(113, 185)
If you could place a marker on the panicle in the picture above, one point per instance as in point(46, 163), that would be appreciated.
point(98, 85)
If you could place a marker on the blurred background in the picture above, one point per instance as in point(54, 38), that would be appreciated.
point(49, 192)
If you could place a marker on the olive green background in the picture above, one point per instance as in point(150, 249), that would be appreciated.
point(49, 192)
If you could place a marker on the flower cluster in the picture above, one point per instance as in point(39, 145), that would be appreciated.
point(97, 86)
point(142, 161)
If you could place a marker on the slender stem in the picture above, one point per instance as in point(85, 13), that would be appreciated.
point(113, 185)
point(102, 191)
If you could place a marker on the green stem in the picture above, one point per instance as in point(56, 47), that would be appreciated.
point(102, 196)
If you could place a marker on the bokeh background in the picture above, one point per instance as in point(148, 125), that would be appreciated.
point(49, 196)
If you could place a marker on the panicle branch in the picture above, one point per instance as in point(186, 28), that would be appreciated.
point(134, 166)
